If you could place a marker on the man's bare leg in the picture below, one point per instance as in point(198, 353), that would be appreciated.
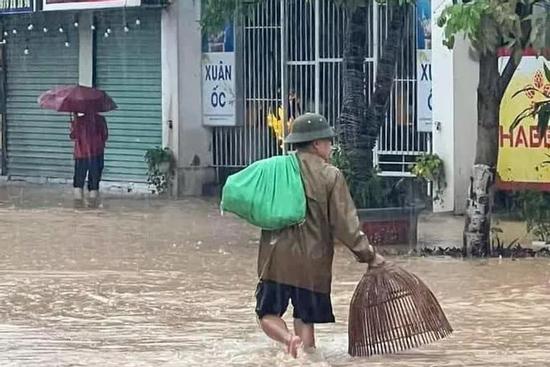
point(306, 332)
point(275, 327)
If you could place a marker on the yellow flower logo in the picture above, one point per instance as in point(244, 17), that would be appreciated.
point(539, 94)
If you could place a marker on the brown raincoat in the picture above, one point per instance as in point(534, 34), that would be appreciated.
point(302, 255)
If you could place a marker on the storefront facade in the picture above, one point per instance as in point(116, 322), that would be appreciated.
point(114, 49)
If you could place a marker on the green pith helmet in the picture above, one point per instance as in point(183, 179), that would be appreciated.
point(309, 127)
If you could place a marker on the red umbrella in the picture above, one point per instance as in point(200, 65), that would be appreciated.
point(76, 98)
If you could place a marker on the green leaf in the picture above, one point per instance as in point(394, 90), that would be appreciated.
point(520, 117)
point(512, 243)
point(450, 42)
point(441, 21)
point(543, 118)
point(547, 72)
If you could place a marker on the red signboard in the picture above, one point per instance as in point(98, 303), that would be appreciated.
point(87, 4)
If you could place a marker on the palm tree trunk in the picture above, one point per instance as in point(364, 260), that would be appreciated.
point(352, 115)
point(359, 124)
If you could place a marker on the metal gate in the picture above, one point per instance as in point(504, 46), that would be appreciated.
point(128, 66)
point(292, 58)
point(37, 139)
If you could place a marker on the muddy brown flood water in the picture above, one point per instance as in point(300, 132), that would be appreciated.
point(153, 283)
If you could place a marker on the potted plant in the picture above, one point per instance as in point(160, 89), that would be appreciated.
point(160, 169)
point(387, 214)
point(429, 168)
point(535, 210)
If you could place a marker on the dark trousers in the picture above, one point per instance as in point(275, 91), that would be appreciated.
point(93, 167)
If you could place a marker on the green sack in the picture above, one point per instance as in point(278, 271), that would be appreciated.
point(268, 194)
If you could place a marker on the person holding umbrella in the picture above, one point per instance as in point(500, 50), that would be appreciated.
point(88, 131)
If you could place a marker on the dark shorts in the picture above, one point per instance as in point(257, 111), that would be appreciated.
point(311, 307)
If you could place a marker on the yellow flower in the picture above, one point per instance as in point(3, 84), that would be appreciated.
point(275, 122)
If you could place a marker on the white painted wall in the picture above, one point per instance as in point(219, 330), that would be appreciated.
point(170, 70)
point(182, 97)
point(466, 79)
point(85, 50)
point(443, 106)
point(454, 89)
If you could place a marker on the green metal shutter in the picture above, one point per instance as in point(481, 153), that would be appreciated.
point(38, 140)
point(128, 67)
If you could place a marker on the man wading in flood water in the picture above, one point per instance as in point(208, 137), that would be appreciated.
point(295, 263)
